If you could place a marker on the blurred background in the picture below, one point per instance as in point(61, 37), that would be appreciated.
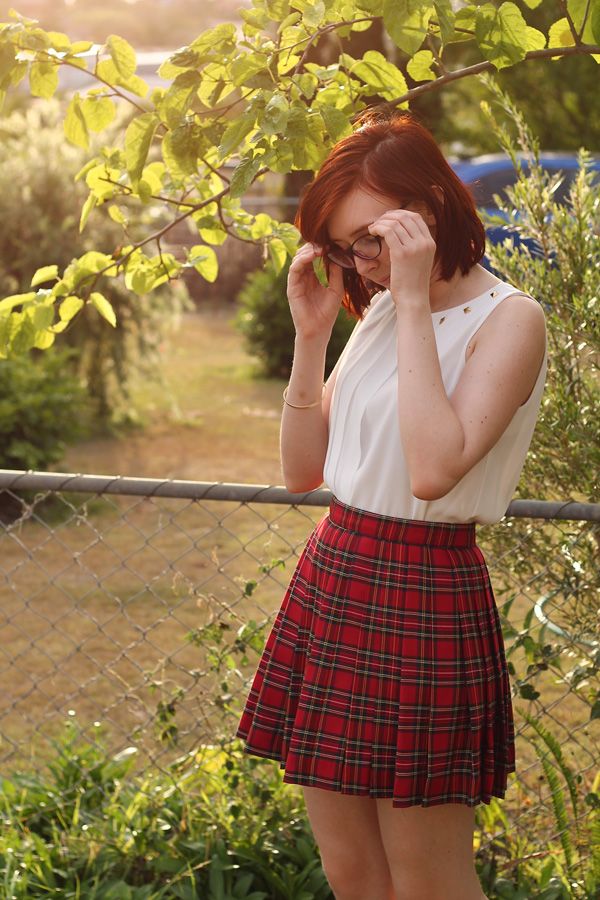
point(149, 391)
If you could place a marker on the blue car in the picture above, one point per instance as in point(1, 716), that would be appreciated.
point(491, 173)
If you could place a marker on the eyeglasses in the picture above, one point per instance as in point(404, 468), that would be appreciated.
point(366, 247)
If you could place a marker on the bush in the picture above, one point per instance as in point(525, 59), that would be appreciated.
point(563, 273)
point(42, 409)
point(217, 825)
point(264, 318)
point(41, 201)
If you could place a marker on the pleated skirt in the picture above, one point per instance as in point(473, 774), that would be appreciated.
point(384, 674)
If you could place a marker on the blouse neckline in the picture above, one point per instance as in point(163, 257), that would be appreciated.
point(490, 293)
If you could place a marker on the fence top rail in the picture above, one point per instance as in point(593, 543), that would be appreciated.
point(15, 480)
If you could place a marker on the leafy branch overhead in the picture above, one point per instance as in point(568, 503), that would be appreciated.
point(246, 102)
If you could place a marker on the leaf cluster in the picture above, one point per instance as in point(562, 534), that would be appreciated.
point(251, 102)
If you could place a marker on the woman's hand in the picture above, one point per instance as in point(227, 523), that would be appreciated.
point(412, 251)
point(314, 308)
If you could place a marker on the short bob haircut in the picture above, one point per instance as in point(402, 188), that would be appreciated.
point(394, 156)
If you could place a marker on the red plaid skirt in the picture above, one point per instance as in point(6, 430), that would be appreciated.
point(384, 674)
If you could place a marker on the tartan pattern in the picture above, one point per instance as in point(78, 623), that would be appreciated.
point(384, 674)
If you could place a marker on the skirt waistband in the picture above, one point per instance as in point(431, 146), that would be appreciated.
point(406, 531)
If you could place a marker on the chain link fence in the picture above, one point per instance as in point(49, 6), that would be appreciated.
point(139, 608)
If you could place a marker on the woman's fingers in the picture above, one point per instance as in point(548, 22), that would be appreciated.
point(404, 223)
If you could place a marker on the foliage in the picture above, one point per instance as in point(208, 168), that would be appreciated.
point(563, 272)
point(43, 211)
point(218, 824)
point(42, 409)
point(560, 266)
point(264, 318)
point(252, 98)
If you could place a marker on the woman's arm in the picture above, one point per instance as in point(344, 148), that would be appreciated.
point(304, 432)
point(444, 437)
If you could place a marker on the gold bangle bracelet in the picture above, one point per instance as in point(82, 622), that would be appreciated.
point(304, 405)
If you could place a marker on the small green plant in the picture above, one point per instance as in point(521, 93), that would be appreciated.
point(42, 409)
point(265, 320)
point(218, 825)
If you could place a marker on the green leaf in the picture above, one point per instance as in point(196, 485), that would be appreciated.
point(275, 117)
point(8, 60)
point(419, 67)
point(337, 123)
point(246, 66)
point(116, 215)
point(46, 273)
point(43, 79)
point(503, 35)
point(595, 712)
point(407, 22)
point(243, 175)
point(560, 34)
point(235, 133)
point(75, 126)
point(98, 112)
point(138, 139)
point(319, 270)
point(278, 254)
point(445, 17)
point(69, 308)
point(91, 263)
point(595, 23)
point(9, 303)
point(24, 335)
point(204, 260)
point(99, 179)
point(463, 25)
point(262, 226)
point(382, 76)
point(122, 55)
point(181, 148)
point(104, 308)
point(44, 340)
point(313, 13)
point(87, 208)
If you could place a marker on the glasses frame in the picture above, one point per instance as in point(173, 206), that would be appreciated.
point(352, 252)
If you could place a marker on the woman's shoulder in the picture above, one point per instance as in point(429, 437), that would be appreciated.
point(517, 316)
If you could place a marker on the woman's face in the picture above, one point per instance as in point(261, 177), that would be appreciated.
point(351, 219)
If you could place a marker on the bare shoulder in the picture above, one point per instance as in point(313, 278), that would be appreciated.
point(518, 317)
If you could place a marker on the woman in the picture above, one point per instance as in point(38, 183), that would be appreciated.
point(383, 687)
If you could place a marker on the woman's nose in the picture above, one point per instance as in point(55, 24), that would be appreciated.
point(364, 267)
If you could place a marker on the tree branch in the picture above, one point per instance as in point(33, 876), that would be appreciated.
point(58, 61)
point(486, 66)
point(161, 231)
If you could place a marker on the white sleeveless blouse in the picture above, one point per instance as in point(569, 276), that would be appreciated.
point(365, 465)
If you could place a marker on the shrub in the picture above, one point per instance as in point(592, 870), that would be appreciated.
point(42, 409)
point(264, 318)
point(41, 201)
point(563, 273)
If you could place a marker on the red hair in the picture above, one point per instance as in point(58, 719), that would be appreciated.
point(399, 158)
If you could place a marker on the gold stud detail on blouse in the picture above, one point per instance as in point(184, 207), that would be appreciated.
point(493, 293)
point(466, 309)
point(442, 320)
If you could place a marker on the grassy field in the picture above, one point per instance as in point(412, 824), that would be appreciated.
point(216, 419)
point(96, 611)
